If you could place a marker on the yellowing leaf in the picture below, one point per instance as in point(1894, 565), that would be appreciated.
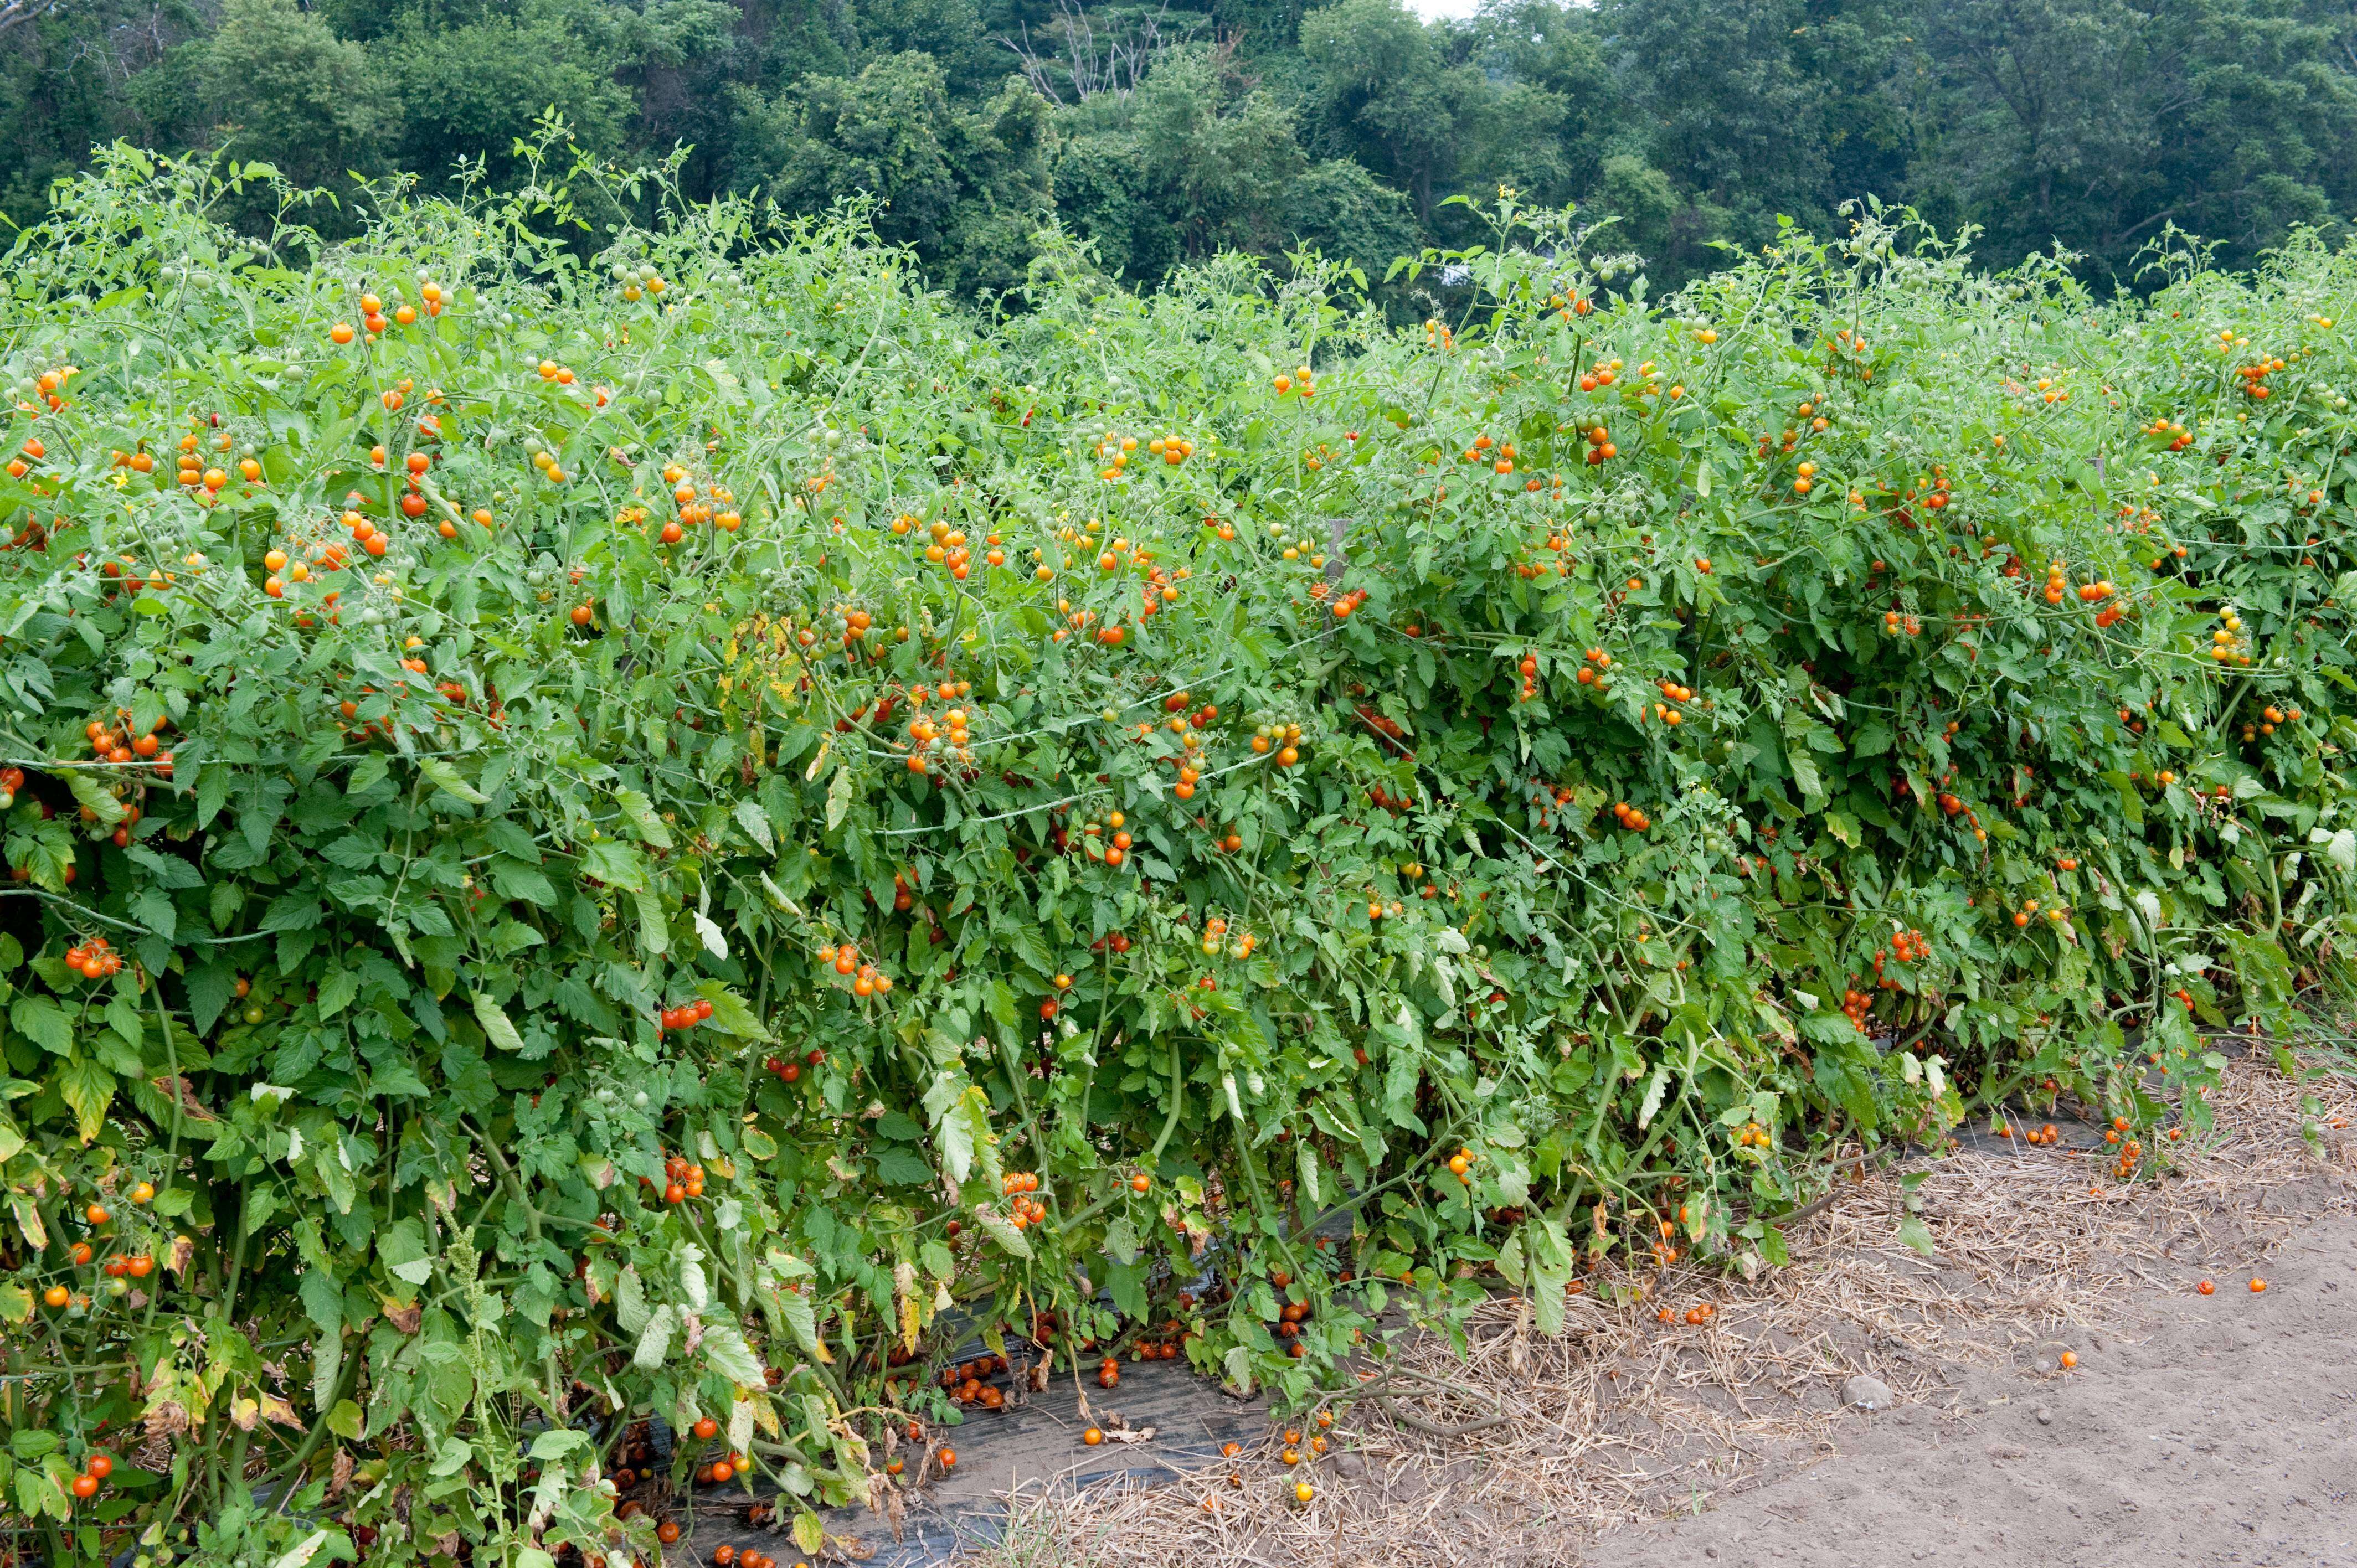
point(838, 797)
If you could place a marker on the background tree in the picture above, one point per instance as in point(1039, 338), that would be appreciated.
point(278, 84)
point(964, 189)
point(66, 71)
point(1163, 133)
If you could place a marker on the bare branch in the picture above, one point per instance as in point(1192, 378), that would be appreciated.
point(14, 13)
point(1035, 70)
point(1089, 66)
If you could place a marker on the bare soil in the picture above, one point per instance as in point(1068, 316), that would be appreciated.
point(2191, 1429)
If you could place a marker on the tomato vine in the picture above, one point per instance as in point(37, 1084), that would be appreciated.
point(664, 833)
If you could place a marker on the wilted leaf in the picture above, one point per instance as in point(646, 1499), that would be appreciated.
point(654, 1340)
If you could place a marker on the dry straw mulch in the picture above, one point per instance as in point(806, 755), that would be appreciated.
point(1521, 1448)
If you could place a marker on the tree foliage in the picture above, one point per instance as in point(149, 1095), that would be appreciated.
point(1163, 135)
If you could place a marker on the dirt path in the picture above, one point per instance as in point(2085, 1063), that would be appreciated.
point(2205, 1430)
point(2192, 1429)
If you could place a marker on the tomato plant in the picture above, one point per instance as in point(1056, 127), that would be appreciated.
point(656, 835)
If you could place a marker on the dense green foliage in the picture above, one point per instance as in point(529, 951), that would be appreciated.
point(1163, 135)
point(1110, 790)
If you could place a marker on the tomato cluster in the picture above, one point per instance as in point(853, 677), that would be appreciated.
point(686, 1015)
point(93, 959)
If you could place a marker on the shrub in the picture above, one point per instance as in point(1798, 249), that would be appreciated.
point(657, 834)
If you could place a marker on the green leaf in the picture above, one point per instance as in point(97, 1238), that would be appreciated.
point(367, 774)
point(40, 1020)
point(36, 1493)
point(1804, 774)
point(526, 883)
point(898, 1167)
point(1237, 1363)
point(115, 1051)
point(1914, 1233)
point(640, 813)
point(1002, 1230)
point(323, 1300)
point(87, 1086)
point(451, 782)
point(338, 987)
point(725, 1348)
point(655, 928)
point(212, 987)
point(512, 839)
point(90, 795)
point(729, 1014)
point(291, 912)
point(795, 1308)
point(168, 871)
point(756, 824)
point(401, 1246)
point(497, 1027)
point(612, 861)
point(557, 1444)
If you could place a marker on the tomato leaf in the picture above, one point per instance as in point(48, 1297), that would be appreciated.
point(1002, 1230)
point(756, 824)
point(640, 813)
point(446, 777)
point(497, 1026)
point(40, 1020)
point(91, 797)
point(87, 1086)
point(654, 1339)
point(726, 1350)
